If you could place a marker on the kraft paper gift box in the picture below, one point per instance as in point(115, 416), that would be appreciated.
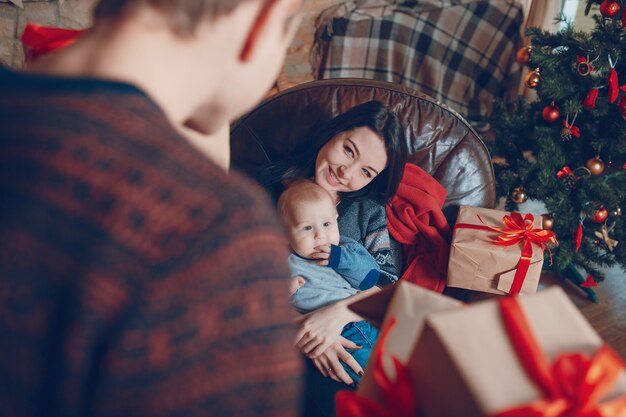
point(409, 305)
point(473, 369)
point(477, 263)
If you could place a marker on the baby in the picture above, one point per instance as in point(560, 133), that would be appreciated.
point(325, 267)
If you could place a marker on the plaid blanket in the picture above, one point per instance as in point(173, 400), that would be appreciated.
point(461, 52)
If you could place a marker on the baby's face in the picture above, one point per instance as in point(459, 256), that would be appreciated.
point(311, 225)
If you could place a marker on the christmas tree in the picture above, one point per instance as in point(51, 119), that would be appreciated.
point(568, 148)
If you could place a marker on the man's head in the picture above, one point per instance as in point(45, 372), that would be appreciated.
point(229, 54)
point(310, 217)
point(183, 15)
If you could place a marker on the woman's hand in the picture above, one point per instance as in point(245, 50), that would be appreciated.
point(329, 362)
point(321, 328)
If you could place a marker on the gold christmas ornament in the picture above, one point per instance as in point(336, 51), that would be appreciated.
point(518, 195)
point(595, 165)
point(547, 221)
point(533, 79)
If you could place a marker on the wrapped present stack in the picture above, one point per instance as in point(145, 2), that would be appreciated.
point(507, 357)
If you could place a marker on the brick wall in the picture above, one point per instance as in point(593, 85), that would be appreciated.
point(297, 68)
point(76, 14)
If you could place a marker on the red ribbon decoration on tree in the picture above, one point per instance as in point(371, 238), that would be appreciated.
point(40, 40)
point(518, 230)
point(578, 236)
point(590, 100)
point(564, 171)
point(583, 60)
point(568, 176)
point(574, 129)
point(399, 395)
point(572, 385)
point(613, 83)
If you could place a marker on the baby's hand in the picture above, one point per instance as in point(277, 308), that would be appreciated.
point(295, 283)
point(322, 254)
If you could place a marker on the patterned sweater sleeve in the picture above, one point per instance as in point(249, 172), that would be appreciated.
point(366, 222)
point(377, 242)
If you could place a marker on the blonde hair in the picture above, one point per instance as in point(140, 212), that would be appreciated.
point(183, 15)
point(302, 191)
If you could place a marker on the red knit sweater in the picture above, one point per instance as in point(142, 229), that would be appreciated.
point(136, 277)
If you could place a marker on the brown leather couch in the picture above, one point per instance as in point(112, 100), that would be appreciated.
point(440, 140)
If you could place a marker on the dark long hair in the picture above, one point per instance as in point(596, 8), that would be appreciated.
point(382, 120)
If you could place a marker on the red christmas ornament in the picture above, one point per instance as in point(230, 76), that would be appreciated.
point(624, 18)
point(551, 113)
point(600, 215)
point(589, 282)
point(578, 236)
point(609, 8)
point(590, 100)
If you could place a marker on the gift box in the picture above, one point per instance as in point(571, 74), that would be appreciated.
point(407, 306)
point(516, 356)
point(497, 252)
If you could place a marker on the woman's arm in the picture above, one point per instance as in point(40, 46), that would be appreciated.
point(319, 337)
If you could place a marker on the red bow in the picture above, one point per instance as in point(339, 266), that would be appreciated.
point(564, 171)
point(572, 385)
point(583, 60)
point(399, 396)
point(518, 229)
point(40, 40)
point(613, 85)
point(574, 129)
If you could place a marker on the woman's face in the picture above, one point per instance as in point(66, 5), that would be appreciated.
point(350, 160)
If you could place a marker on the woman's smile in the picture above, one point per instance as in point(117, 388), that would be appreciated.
point(332, 177)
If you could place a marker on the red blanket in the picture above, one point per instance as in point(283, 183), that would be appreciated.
point(415, 220)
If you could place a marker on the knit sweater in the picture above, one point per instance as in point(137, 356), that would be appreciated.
point(366, 222)
point(123, 289)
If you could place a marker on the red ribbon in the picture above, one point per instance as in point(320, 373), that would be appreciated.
point(574, 129)
point(578, 236)
point(613, 85)
point(564, 171)
point(518, 230)
point(399, 395)
point(590, 100)
point(589, 282)
point(572, 385)
point(40, 40)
